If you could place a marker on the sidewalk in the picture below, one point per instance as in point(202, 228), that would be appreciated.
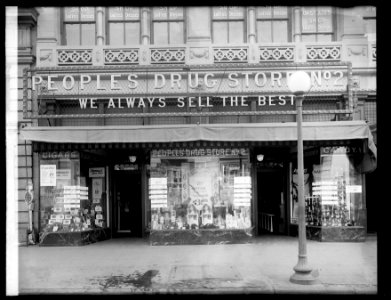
point(126, 266)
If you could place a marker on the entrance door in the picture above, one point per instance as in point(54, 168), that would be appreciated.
point(128, 203)
point(270, 201)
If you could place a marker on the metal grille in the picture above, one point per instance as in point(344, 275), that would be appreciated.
point(370, 112)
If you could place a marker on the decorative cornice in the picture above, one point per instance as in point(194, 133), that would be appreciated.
point(27, 16)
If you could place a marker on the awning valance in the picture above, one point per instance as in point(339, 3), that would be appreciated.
point(312, 131)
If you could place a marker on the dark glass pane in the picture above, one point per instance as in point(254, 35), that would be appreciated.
point(176, 33)
point(160, 33)
point(116, 33)
point(264, 31)
point(236, 32)
point(280, 31)
point(132, 33)
point(72, 34)
point(220, 32)
point(88, 34)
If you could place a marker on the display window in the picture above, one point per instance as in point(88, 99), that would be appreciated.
point(69, 200)
point(332, 189)
point(200, 189)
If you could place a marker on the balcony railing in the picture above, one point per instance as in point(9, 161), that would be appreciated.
point(198, 54)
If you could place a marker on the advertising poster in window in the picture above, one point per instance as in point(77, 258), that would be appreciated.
point(48, 175)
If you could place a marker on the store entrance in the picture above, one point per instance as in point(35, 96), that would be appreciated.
point(271, 211)
point(127, 204)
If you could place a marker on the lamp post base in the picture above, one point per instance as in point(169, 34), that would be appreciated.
point(304, 278)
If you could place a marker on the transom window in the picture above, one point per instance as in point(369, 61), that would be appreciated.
point(123, 26)
point(273, 24)
point(317, 24)
point(228, 24)
point(79, 26)
point(168, 26)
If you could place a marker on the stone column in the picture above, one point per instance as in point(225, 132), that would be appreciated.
point(145, 27)
point(251, 25)
point(99, 26)
point(48, 35)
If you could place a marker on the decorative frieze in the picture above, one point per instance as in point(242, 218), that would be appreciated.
point(121, 56)
point(276, 53)
point(324, 53)
point(74, 56)
point(222, 55)
point(168, 55)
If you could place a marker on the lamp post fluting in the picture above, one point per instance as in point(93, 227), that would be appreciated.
point(300, 83)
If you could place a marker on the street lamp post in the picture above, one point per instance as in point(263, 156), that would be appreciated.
point(300, 83)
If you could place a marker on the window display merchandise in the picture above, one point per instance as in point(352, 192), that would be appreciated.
point(66, 203)
point(333, 189)
point(200, 189)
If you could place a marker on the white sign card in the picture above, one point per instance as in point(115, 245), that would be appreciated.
point(96, 172)
point(48, 175)
point(63, 174)
point(97, 188)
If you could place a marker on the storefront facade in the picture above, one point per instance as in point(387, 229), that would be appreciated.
point(192, 144)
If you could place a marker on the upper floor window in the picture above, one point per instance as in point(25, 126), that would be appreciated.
point(369, 16)
point(123, 26)
point(273, 24)
point(79, 26)
point(228, 24)
point(168, 26)
point(317, 24)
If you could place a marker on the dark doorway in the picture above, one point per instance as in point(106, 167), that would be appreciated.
point(128, 212)
point(270, 203)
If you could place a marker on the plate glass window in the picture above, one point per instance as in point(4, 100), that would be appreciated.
point(124, 26)
point(168, 25)
point(228, 24)
point(272, 24)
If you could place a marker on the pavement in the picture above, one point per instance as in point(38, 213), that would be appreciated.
point(133, 266)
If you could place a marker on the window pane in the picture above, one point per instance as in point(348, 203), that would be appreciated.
point(176, 13)
point(88, 34)
point(160, 13)
point(280, 12)
point(176, 33)
point(280, 31)
point(325, 37)
point(220, 32)
point(87, 14)
point(132, 33)
point(116, 13)
point(235, 12)
point(264, 30)
point(71, 14)
point(160, 33)
point(220, 12)
point(308, 38)
point(116, 33)
point(236, 32)
point(72, 34)
point(264, 12)
point(308, 20)
point(325, 23)
point(132, 13)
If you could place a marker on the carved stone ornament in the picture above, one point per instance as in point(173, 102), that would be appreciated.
point(356, 51)
point(199, 53)
point(46, 55)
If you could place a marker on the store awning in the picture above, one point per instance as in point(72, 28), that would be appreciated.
point(312, 131)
